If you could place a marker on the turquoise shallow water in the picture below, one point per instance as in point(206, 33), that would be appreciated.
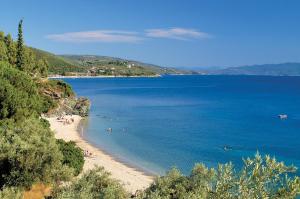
point(158, 123)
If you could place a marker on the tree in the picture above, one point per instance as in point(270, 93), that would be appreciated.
point(42, 67)
point(18, 94)
point(1, 35)
point(3, 51)
point(11, 49)
point(20, 62)
point(30, 63)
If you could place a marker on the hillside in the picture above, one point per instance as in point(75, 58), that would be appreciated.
point(99, 65)
point(284, 69)
point(104, 65)
point(58, 64)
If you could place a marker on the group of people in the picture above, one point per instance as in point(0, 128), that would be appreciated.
point(66, 120)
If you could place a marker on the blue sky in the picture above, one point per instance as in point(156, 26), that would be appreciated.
point(165, 32)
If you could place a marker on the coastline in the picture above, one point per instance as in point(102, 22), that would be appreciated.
point(131, 178)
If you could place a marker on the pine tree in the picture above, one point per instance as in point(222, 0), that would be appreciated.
point(20, 48)
point(42, 67)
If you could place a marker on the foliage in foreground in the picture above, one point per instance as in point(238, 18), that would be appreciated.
point(29, 154)
point(72, 155)
point(93, 184)
point(258, 178)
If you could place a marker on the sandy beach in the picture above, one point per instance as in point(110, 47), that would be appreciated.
point(131, 178)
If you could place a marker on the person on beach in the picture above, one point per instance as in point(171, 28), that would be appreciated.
point(87, 153)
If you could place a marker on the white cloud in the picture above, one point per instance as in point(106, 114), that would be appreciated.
point(97, 36)
point(177, 33)
point(128, 36)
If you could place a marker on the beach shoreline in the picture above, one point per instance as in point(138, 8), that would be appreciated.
point(143, 170)
point(133, 179)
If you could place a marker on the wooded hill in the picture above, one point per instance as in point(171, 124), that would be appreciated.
point(94, 65)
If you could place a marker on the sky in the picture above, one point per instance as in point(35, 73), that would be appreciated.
point(175, 33)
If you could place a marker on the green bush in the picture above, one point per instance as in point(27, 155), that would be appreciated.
point(48, 103)
point(29, 154)
point(93, 184)
point(72, 155)
point(45, 123)
point(59, 86)
point(66, 88)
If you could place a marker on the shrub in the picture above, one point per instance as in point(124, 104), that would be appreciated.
point(72, 155)
point(93, 184)
point(29, 154)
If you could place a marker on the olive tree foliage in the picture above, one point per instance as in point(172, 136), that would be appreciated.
point(29, 154)
point(93, 184)
point(260, 177)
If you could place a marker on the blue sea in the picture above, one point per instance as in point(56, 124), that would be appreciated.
point(159, 123)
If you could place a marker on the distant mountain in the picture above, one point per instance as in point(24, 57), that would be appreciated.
point(202, 68)
point(284, 69)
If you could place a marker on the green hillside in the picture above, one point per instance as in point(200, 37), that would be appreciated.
point(99, 65)
point(58, 64)
point(104, 65)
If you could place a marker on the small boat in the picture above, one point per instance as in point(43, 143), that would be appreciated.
point(283, 116)
point(109, 130)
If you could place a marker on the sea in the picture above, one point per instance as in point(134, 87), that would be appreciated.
point(155, 124)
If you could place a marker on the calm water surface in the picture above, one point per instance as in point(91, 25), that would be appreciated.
point(158, 123)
